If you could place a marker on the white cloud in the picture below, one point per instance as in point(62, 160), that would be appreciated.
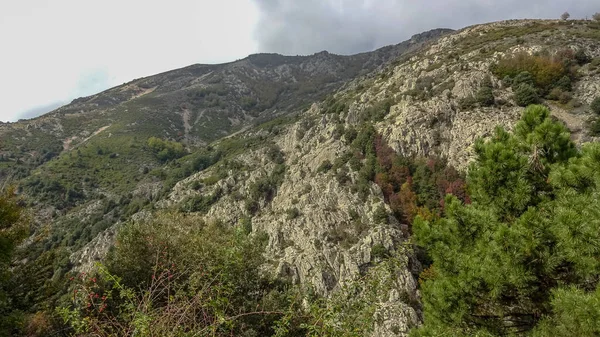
point(58, 50)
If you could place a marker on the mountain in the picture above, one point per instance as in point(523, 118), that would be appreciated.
point(330, 156)
point(194, 105)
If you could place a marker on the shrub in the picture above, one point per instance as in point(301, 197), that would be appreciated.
point(378, 251)
point(565, 97)
point(523, 78)
point(325, 166)
point(292, 213)
point(526, 95)
point(176, 276)
point(275, 155)
point(558, 94)
point(467, 102)
point(595, 106)
point(338, 132)
point(381, 215)
point(485, 96)
point(350, 135)
point(544, 70)
point(595, 128)
point(564, 83)
point(554, 94)
point(200, 203)
point(581, 57)
point(165, 150)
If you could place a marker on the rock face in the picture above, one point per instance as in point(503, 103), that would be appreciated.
point(437, 124)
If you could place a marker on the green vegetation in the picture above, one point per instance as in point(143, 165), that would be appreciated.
point(485, 96)
point(595, 106)
point(165, 150)
point(526, 95)
point(176, 276)
point(535, 76)
point(292, 213)
point(518, 258)
point(264, 189)
point(325, 166)
point(13, 229)
point(410, 186)
point(544, 72)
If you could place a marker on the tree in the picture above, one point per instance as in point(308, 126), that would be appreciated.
point(596, 16)
point(523, 77)
point(565, 16)
point(523, 255)
point(12, 230)
point(525, 95)
point(485, 96)
point(595, 106)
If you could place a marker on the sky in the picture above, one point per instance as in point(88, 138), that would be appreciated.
point(52, 51)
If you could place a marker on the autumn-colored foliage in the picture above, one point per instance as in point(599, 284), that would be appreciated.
point(414, 186)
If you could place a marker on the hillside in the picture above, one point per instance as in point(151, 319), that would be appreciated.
point(332, 157)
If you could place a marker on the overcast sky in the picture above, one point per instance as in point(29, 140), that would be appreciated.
point(52, 51)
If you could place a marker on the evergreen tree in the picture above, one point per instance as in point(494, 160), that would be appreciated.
point(527, 247)
point(526, 94)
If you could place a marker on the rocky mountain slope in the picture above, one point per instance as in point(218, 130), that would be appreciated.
point(199, 103)
point(295, 178)
point(318, 241)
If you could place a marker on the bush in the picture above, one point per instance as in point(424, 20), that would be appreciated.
point(565, 97)
point(467, 102)
point(557, 94)
point(379, 251)
point(581, 57)
point(526, 95)
point(523, 78)
point(165, 150)
point(595, 106)
point(325, 166)
point(176, 276)
point(485, 96)
point(595, 128)
point(564, 83)
point(275, 155)
point(543, 71)
point(292, 213)
point(381, 215)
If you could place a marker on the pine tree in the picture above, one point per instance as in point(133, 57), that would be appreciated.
point(511, 258)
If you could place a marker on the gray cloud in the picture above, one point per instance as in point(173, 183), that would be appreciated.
point(350, 26)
